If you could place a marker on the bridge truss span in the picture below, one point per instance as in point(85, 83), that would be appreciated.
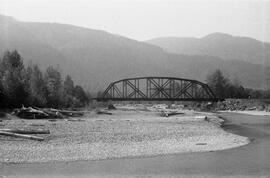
point(158, 89)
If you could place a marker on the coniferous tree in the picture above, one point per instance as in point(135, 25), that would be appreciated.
point(68, 89)
point(54, 87)
point(68, 86)
point(13, 81)
point(36, 86)
point(218, 83)
point(81, 95)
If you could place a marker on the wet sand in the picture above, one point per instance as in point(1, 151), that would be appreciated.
point(250, 160)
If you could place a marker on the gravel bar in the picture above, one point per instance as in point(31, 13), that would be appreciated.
point(125, 133)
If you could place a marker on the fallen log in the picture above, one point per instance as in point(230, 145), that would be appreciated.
point(21, 136)
point(28, 131)
point(31, 113)
point(53, 113)
point(61, 113)
point(104, 112)
point(75, 120)
point(37, 125)
point(167, 114)
point(46, 113)
point(71, 113)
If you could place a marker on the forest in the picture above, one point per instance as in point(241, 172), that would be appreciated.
point(22, 85)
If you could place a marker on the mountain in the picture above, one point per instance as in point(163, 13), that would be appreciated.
point(95, 58)
point(221, 45)
point(92, 57)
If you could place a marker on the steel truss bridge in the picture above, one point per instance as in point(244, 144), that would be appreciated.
point(157, 89)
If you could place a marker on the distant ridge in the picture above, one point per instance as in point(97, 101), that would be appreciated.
point(221, 45)
point(94, 58)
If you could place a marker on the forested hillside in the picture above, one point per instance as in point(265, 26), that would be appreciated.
point(94, 58)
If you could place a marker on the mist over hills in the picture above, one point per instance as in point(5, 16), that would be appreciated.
point(95, 58)
point(221, 45)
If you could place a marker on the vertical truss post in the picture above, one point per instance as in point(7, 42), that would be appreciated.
point(147, 88)
point(123, 90)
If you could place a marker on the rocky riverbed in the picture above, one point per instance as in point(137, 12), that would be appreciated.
point(131, 131)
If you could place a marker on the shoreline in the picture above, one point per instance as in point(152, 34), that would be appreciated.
point(246, 112)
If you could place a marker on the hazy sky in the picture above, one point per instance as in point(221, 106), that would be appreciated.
point(145, 19)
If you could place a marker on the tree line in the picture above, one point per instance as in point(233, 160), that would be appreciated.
point(224, 88)
point(29, 86)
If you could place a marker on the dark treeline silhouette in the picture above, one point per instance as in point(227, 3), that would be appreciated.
point(29, 86)
point(224, 88)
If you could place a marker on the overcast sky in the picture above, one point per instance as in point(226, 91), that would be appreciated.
point(146, 19)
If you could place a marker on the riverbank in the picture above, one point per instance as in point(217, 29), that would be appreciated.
point(131, 131)
point(251, 160)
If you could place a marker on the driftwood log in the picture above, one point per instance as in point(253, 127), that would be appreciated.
point(27, 131)
point(21, 136)
point(50, 113)
point(169, 113)
point(30, 113)
point(103, 112)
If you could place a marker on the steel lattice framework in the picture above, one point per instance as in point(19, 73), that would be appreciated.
point(158, 89)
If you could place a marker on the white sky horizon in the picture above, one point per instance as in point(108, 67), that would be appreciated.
point(146, 19)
